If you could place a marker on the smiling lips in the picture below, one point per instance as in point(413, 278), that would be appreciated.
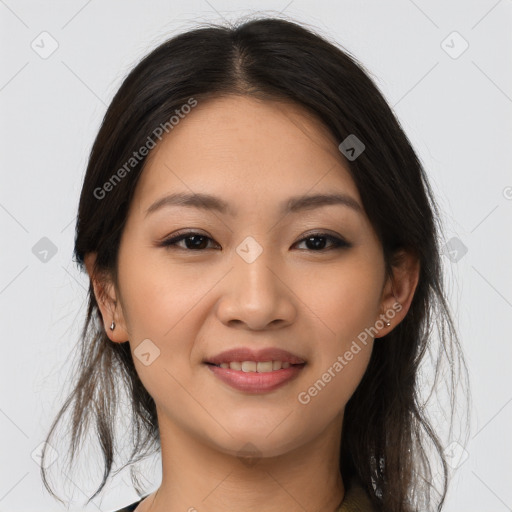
point(255, 371)
point(242, 354)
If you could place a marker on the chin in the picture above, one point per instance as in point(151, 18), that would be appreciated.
point(253, 440)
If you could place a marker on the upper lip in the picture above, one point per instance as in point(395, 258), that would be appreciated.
point(246, 354)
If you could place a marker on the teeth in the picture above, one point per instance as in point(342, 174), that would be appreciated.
point(253, 366)
point(250, 366)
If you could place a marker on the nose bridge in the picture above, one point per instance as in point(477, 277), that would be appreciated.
point(253, 264)
point(252, 268)
point(256, 295)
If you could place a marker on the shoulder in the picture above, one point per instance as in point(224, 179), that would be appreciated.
point(356, 499)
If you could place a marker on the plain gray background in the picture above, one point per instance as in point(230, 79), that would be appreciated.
point(455, 103)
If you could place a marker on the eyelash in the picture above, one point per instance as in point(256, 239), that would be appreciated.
point(338, 243)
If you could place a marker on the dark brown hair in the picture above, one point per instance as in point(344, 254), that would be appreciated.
point(388, 439)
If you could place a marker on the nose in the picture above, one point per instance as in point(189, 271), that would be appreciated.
point(257, 294)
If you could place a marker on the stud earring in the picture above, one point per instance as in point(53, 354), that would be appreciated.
point(387, 324)
point(112, 325)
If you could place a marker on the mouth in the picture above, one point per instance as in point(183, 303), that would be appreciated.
point(256, 367)
point(249, 360)
point(251, 371)
point(246, 376)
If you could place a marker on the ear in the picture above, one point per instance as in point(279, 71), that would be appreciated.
point(398, 290)
point(108, 303)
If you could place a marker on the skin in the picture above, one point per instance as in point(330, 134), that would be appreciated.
point(193, 303)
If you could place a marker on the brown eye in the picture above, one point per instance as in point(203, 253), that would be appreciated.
point(317, 242)
point(193, 241)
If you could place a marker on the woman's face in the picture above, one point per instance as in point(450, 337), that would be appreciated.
point(251, 278)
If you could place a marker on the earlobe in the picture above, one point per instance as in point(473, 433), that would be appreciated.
point(105, 295)
point(399, 290)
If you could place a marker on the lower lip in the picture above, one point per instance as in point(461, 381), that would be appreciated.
point(254, 382)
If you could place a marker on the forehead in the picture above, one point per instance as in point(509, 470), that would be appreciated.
point(239, 146)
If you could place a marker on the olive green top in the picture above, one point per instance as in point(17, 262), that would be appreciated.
point(356, 500)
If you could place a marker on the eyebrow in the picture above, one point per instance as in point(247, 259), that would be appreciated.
point(292, 205)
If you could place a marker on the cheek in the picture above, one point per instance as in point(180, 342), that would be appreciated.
point(163, 303)
point(345, 304)
point(343, 351)
point(344, 299)
point(157, 295)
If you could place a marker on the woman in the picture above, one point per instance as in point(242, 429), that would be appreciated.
point(262, 246)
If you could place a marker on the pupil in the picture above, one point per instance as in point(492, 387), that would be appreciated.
point(320, 242)
point(196, 245)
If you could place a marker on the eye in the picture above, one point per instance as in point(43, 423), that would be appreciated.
point(195, 241)
point(336, 243)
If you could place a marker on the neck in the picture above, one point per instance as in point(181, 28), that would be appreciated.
point(198, 477)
